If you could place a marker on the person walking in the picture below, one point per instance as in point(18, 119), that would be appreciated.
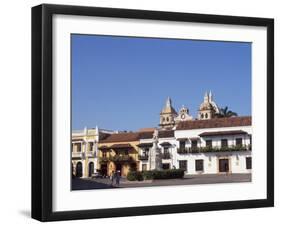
point(112, 177)
point(117, 178)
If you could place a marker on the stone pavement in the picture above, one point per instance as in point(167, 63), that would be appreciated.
point(105, 183)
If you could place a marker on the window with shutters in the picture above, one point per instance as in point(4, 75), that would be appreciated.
point(199, 165)
point(183, 164)
point(238, 141)
point(248, 162)
point(209, 143)
point(224, 143)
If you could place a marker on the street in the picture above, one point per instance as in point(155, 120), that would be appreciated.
point(105, 183)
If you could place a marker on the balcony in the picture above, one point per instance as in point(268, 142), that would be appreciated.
point(116, 158)
point(121, 158)
point(195, 150)
point(183, 150)
point(232, 148)
point(77, 155)
point(143, 157)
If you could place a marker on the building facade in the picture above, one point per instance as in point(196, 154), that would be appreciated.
point(84, 155)
point(219, 145)
point(165, 144)
point(118, 152)
point(206, 145)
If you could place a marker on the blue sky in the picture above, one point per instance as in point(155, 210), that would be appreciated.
point(122, 83)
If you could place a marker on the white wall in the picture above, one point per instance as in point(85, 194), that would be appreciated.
point(237, 162)
point(15, 110)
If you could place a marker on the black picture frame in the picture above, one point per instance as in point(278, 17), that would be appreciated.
point(42, 111)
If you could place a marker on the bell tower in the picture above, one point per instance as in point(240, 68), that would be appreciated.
point(167, 115)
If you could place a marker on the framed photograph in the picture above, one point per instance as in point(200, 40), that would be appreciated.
point(145, 112)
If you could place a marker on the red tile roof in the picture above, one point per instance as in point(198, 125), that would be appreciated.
point(220, 133)
point(146, 129)
point(121, 137)
point(135, 136)
point(146, 135)
point(215, 123)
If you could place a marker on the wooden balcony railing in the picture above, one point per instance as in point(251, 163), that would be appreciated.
point(116, 158)
point(231, 148)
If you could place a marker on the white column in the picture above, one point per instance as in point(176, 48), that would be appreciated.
point(84, 168)
point(95, 149)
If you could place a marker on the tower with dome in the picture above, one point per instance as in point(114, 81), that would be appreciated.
point(208, 109)
point(169, 117)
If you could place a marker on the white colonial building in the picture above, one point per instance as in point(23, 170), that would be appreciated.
point(209, 144)
point(219, 145)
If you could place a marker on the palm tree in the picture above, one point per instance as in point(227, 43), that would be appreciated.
point(225, 113)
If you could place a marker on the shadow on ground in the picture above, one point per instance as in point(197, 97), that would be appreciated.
point(82, 184)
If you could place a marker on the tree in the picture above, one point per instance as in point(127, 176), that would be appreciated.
point(225, 113)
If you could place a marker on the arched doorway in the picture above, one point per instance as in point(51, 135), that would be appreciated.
point(79, 169)
point(90, 169)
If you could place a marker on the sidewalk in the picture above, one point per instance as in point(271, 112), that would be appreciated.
point(105, 183)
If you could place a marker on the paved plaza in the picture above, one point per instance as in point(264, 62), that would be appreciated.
point(105, 183)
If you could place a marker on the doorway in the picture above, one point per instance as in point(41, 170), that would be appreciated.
point(166, 166)
point(223, 165)
point(103, 170)
point(90, 169)
point(79, 169)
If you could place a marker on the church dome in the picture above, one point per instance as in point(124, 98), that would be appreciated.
point(206, 106)
point(209, 104)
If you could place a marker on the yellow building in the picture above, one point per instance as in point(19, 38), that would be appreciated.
point(85, 150)
point(118, 152)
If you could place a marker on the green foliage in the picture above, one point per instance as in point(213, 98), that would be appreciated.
point(168, 174)
point(225, 113)
point(135, 176)
point(231, 148)
point(147, 175)
point(155, 174)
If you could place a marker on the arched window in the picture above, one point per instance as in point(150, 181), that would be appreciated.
point(206, 115)
point(167, 119)
point(79, 169)
point(202, 115)
point(163, 119)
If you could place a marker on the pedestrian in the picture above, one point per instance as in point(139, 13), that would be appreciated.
point(112, 177)
point(117, 178)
